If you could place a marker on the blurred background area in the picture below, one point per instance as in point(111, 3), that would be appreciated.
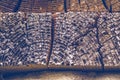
point(62, 75)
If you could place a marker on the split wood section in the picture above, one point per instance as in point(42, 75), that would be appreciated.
point(73, 40)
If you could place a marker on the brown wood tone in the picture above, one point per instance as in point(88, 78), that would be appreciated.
point(59, 5)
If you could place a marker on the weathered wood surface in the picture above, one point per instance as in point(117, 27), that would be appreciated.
point(59, 5)
point(73, 40)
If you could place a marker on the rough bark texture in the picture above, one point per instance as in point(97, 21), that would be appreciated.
point(81, 40)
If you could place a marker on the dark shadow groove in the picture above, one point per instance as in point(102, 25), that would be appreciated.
point(106, 6)
point(52, 40)
point(17, 6)
point(65, 5)
point(7, 74)
point(99, 44)
point(79, 1)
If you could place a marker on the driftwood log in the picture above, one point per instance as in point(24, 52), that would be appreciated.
point(72, 40)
